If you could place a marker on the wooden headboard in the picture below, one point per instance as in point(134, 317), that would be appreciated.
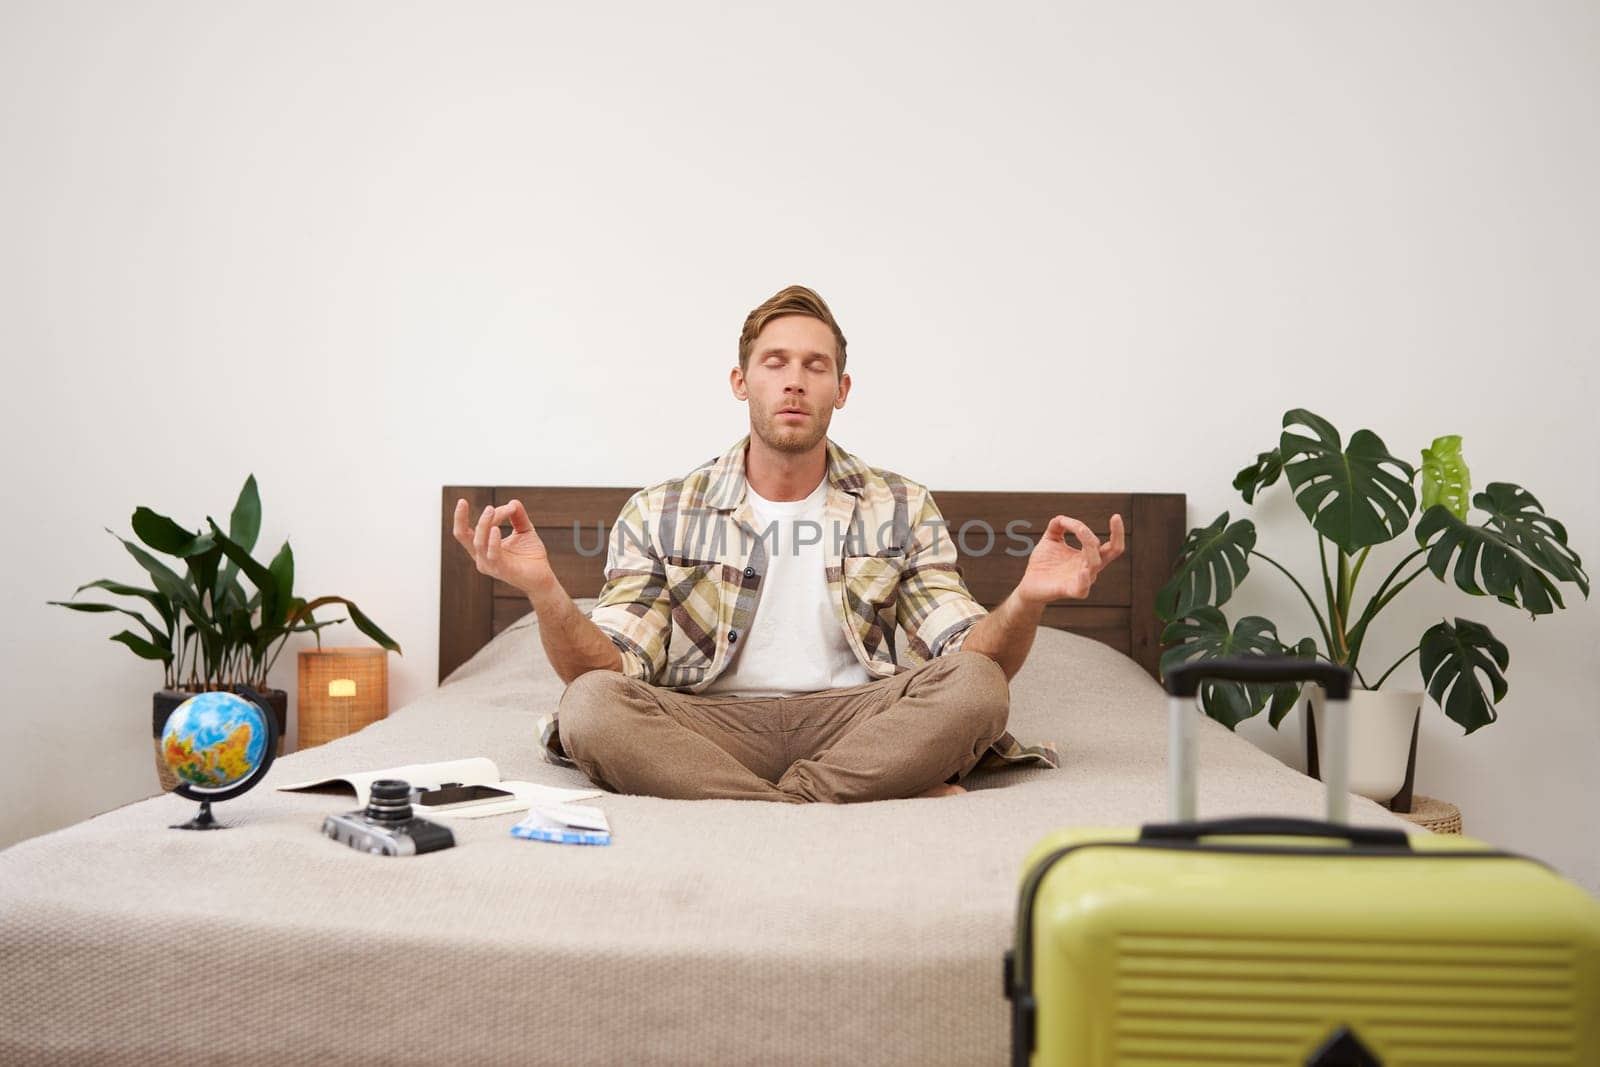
point(1119, 611)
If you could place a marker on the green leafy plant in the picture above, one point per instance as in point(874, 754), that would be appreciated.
point(209, 632)
point(1358, 496)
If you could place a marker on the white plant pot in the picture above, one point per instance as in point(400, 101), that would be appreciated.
point(1380, 728)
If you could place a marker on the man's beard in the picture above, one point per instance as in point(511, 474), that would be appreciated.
point(791, 438)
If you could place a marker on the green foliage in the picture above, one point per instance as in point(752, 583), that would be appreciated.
point(212, 633)
point(1354, 497)
point(1357, 496)
point(1204, 634)
point(1445, 478)
point(1213, 561)
point(1453, 658)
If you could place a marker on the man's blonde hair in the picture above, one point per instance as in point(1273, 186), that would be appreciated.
point(794, 300)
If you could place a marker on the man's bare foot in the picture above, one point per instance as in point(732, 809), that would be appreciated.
point(943, 789)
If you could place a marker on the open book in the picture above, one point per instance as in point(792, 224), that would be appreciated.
point(478, 770)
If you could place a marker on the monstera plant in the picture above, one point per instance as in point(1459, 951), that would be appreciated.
point(1358, 496)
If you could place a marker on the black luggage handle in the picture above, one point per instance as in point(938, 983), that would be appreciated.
point(1184, 680)
point(1275, 826)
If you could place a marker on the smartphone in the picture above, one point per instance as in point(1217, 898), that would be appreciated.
point(458, 794)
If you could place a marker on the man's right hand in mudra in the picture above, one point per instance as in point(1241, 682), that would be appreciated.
point(519, 560)
point(573, 644)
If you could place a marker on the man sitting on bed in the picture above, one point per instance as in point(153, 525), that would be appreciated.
point(744, 645)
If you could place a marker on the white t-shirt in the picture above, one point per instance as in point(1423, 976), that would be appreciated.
point(795, 643)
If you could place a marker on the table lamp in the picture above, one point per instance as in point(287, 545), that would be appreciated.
point(341, 690)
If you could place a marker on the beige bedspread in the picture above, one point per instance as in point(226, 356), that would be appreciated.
point(707, 932)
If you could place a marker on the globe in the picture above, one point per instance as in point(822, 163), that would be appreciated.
point(214, 740)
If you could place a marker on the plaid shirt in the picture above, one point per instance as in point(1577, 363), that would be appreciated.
point(683, 581)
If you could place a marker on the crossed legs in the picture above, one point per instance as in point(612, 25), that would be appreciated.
point(891, 738)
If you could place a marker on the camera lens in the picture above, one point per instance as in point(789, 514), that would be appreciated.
point(389, 800)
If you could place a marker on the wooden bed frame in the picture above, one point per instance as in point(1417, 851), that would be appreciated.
point(1120, 610)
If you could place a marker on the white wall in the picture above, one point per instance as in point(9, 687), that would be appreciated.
point(367, 250)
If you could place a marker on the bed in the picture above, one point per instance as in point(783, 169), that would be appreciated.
point(710, 931)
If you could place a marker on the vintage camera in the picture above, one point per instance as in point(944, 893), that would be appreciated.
point(386, 827)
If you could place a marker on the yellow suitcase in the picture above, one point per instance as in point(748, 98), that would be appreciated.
point(1269, 941)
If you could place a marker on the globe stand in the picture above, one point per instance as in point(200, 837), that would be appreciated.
point(202, 821)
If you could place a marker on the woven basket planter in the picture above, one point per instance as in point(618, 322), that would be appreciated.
point(1437, 815)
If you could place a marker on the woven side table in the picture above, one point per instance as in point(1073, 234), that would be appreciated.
point(1440, 816)
point(341, 690)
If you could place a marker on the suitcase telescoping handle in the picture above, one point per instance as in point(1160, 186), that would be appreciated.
point(1270, 826)
point(1183, 683)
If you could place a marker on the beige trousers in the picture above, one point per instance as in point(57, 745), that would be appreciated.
point(890, 738)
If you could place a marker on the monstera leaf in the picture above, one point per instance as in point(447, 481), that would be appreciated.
point(1285, 696)
point(1212, 562)
point(1356, 496)
point(1452, 658)
point(1204, 635)
point(1445, 478)
point(1520, 519)
point(1508, 550)
point(1260, 474)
